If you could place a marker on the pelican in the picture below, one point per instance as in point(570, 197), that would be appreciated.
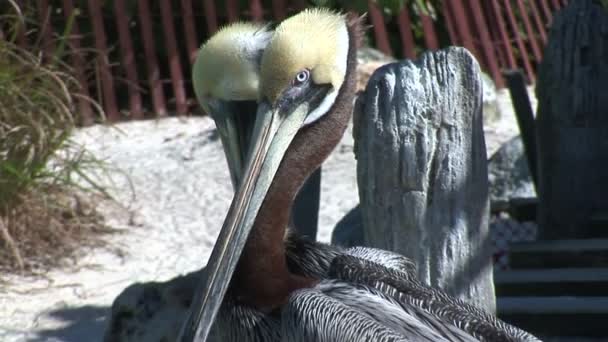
point(225, 78)
point(263, 283)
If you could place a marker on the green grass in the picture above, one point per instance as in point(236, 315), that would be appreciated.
point(42, 170)
point(35, 119)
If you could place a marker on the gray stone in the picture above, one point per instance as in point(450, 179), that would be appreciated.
point(508, 172)
point(422, 170)
point(153, 311)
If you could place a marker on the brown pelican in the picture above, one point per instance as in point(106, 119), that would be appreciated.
point(258, 286)
point(225, 78)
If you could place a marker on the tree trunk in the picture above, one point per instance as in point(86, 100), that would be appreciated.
point(572, 124)
point(422, 170)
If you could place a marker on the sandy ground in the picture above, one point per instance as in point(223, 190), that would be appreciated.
point(168, 216)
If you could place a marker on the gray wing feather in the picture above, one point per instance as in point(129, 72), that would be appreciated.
point(409, 291)
point(408, 320)
point(385, 258)
point(312, 258)
point(335, 311)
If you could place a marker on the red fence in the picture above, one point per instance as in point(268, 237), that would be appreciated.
point(144, 49)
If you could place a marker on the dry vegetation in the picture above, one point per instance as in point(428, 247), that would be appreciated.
point(44, 187)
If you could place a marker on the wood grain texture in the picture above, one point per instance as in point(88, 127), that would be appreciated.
point(422, 170)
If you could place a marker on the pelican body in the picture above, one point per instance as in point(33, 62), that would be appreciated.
point(263, 283)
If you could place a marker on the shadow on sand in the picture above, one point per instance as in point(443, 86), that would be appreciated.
point(85, 323)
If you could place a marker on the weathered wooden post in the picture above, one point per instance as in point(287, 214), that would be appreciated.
point(572, 125)
point(422, 170)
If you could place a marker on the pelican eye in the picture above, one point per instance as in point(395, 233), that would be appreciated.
point(301, 77)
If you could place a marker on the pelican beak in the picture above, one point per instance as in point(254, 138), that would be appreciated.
point(272, 134)
point(234, 121)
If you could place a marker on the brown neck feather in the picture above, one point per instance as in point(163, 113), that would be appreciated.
point(262, 278)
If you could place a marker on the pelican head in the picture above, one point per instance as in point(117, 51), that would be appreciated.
point(225, 77)
point(305, 97)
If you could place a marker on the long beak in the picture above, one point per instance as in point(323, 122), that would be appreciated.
point(234, 121)
point(273, 132)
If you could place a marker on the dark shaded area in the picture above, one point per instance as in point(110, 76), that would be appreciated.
point(85, 323)
point(564, 288)
point(559, 254)
point(349, 230)
point(572, 124)
point(305, 213)
point(588, 325)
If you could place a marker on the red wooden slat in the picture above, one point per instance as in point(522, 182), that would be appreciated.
point(523, 11)
point(405, 32)
point(156, 89)
point(523, 52)
point(546, 11)
point(257, 12)
point(107, 84)
point(279, 9)
point(189, 30)
point(128, 59)
point(486, 43)
point(46, 30)
point(375, 16)
point(538, 22)
point(502, 28)
point(450, 24)
point(462, 26)
point(556, 5)
point(78, 63)
point(232, 10)
point(430, 36)
point(175, 66)
point(210, 16)
point(494, 33)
